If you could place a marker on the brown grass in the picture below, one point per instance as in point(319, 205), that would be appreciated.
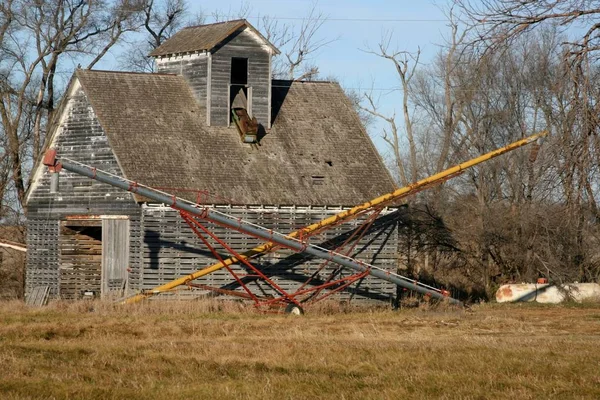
point(186, 350)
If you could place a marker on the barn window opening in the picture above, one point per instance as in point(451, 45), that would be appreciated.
point(240, 101)
point(238, 89)
point(239, 71)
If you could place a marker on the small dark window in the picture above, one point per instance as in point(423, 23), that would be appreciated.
point(318, 180)
point(239, 71)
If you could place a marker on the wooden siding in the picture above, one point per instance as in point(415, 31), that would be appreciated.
point(259, 78)
point(170, 249)
point(80, 138)
point(193, 68)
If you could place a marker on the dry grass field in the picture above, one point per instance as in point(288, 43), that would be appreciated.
point(198, 350)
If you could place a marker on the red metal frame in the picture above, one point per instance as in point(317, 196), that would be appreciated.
point(304, 294)
point(194, 224)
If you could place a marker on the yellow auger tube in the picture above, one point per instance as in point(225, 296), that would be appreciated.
point(379, 201)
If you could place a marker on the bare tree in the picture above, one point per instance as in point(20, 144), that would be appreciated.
point(297, 45)
point(390, 134)
point(162, 20)
point(499, 21)
point(405, 64)
point(64, 27)
point(300, 45)
point(423, 92)
point(569, 106)
point(159, 21)
point(243, 12)
point(521, 216)
point(34, 37)
point(276, 32)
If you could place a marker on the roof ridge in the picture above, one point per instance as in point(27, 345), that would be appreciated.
point(216, 23)
point(290, 81)
point(127, 72)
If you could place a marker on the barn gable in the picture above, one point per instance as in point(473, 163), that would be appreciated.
point(78, 135)
point(81, 204)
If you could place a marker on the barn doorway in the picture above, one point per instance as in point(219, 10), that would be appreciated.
point(94, 258)
point(80, 259)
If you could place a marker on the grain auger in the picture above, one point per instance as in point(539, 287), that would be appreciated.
point(194, 215)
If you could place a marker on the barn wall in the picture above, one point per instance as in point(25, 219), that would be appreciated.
point(81, 138)
point(242, 45)
point(170, 249)
point(194, 68)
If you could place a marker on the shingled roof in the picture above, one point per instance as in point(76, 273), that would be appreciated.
point(205, 38)
point(316, 152)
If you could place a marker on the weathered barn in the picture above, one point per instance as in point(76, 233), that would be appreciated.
point(173, 129)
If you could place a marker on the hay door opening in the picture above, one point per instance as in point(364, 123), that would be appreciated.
point(115, 258)
point(80, 259)
point(94, 258)
point(239, 92)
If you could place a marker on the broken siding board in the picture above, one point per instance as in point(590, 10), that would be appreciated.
point(38, 296)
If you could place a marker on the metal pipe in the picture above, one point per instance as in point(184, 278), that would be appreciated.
point(344, 215)
point(54, 182)
point(254, 230)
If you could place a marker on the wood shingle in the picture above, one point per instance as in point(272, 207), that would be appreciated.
point(316, 153)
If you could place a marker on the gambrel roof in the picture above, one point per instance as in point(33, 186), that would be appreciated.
point(316, 153)
point(205, 38)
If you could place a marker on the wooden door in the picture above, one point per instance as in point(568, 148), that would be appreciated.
point(115, 257)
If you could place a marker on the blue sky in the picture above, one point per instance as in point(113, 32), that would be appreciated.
point(413, 24)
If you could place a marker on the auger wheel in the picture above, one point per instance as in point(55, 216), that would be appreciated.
point(294, 309)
